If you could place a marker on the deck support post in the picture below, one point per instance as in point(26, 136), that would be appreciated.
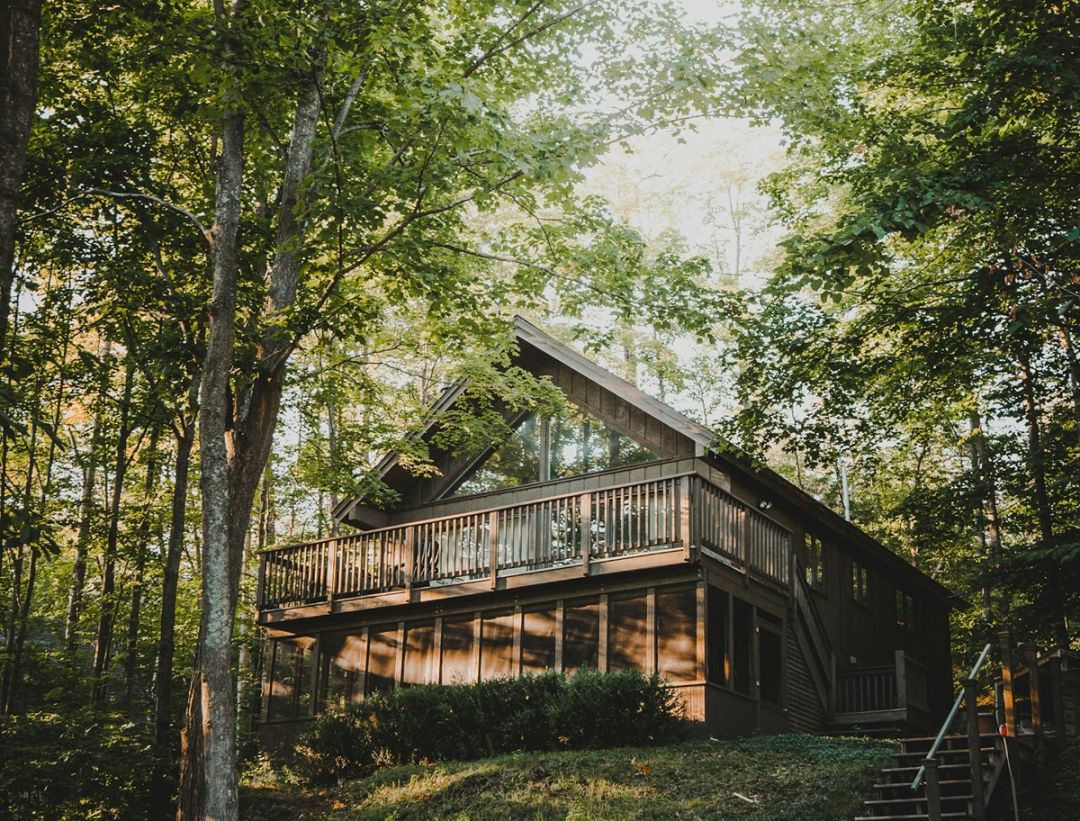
point(331, 570)
point(519, 630)
point(1057, 684)
point(493, 547)
point(585, 507)
point(650, 630)
point(685, 533)
point(974, 738)
point(1032, 658)
point(604, 630)
point(933, 790)
point(410, 561)
point(260, 595)
point(901, 681)
point(1007, 682)
point(560, 620)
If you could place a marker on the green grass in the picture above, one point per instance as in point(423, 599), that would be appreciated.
point(790, 777)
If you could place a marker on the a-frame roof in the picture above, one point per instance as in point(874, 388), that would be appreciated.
point(627, 408)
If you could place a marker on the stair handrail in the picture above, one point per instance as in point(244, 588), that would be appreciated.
point(949, 719)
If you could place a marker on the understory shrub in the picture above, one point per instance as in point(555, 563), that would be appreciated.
point(462, 721)
point(78, 765)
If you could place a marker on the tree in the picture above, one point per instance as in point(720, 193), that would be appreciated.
point(926, 266)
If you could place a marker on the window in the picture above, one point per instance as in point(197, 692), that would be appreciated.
point(571, 444)
point(905, 610)
point(742, 633)
point(815, 562)
point(860, 584)
point(719, 653)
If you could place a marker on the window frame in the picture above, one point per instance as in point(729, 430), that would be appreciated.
point(860, 584)
point(905, 610)
point(814, 571)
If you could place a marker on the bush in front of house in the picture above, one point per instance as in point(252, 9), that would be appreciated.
point(462, 721)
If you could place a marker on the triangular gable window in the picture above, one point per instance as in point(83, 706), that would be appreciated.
point(543, 449)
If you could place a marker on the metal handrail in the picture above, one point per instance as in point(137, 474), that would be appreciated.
point(949, 719)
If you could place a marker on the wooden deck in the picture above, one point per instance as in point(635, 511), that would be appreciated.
point(615, 528)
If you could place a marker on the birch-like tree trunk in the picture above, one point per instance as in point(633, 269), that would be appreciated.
point(20, 21)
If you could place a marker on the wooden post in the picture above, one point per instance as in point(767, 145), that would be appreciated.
point(1036, 697)
point(478, 621)
point(560, 616)
point(519, 629)
point(971, 701)
point(365, 647)
point(493, 547)
point(1007, 682)
point(436, 662)
point(650, 631)
point(602, 649)
point(331, 569)
point(260, 595)
point(701, 657)
point(410, 560)
point(685, 530)
point(933, 790)
point(399, 658)
point(1057, 685)
point(585, 509)
point(901, 680)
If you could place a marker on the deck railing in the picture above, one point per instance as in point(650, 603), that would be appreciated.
point(561, 530)
point(896, 686)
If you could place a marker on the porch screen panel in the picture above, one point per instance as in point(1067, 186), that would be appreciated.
point(741, 650)
point(457, 651)
point(497, 645)
point(581, 635)
point(538, 641)
point(676, 633)
point(342, 659)
point(419, 651)
point(382, 657)
point(718, 651)
point(627, 632)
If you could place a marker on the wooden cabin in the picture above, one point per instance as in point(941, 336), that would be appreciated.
point(616, 536)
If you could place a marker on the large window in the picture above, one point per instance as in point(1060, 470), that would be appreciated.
point(860, 584)
point(289, 691)
point(815, 562)
point(544, 449)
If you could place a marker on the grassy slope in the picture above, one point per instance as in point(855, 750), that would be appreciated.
point(785, 777)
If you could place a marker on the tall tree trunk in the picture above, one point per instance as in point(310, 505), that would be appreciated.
point(1041, 497)
point(161, 774)
point(99, 690)
point(86, 514)
point(989, 530)
point(20, 603)
point(231, 475)
point(208, 740)
point(131, 648)
point(20, 21)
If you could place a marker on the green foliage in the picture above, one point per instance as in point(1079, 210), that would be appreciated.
point(452, 722)
point(72, 765)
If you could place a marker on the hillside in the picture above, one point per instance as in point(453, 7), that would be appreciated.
point(768, 777)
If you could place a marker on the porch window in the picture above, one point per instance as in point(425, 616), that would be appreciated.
point(860, 584)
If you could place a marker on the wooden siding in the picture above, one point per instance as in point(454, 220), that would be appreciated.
point(804, 707)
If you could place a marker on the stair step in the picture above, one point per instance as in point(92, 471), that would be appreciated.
point(915, 769)
point(943, 753)
point(921, 799)
point(944, 784)
point(922, 816)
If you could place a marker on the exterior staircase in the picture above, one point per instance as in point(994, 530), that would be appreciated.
point(895, 799)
